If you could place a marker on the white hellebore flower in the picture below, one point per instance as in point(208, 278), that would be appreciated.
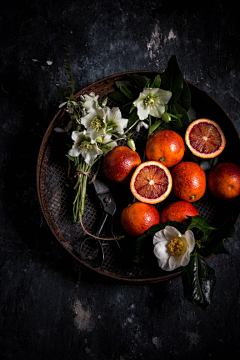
point(95, 121)
point(151, 102)
point(85, 146)
point(173, 249)
point(88, 99)
point(115, 122)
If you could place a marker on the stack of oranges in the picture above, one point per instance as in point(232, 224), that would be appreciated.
point(152, 181)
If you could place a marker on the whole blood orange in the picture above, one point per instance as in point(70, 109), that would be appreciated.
point(119, 164)
point(151, 182)
point(165, 146)
point(189, 181)
point(178, 211)
point(138, 218)
point(205, 138)
point(224, 181)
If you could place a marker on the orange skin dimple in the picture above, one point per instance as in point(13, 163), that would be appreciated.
point(178, 211)
point(224, 181)
point(120, 163)
point(167, 145)
point(189, 181)
point(138, 218)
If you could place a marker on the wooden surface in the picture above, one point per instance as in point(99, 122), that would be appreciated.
point(50, 308)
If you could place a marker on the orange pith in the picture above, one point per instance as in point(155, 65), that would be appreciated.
point(151, 182)
point(205, 138)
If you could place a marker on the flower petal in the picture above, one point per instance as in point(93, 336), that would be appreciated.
point(76, 135)
point(142, 110)
point(157, 111)
point(160, 251)
point(159, 237)
point(163, 96)
point(185, 258)
point(174, 263)
point(74, 152)
point(190, 240)
point(171, 232)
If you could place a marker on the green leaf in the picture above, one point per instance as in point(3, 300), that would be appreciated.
point(200, 223)
point(104, 103)
point(154, 127)
point(119, 97)
point(164, 126)
point(128, 93)
point(172, 80)
point(123, 83)
point(70, 157)
point(220, 249)
point(148, 83)
point(133, 117)
point(191, 114)
point(216, 240)
point(138, 80)
point(126, 109)
point(105, 148)
point(185, 98)
point(208, 164)
point(178, 109)
point(198, 281)
point(156, 82)
point(65, 93)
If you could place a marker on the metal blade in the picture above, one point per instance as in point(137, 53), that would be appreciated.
point(100, 187)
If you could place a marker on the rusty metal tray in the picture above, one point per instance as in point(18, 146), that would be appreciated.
point(56, 201)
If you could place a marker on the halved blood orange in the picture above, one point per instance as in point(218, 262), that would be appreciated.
point(151, 182)
point(205, 138)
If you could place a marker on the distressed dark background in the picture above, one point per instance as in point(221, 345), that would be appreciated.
point(49, 307)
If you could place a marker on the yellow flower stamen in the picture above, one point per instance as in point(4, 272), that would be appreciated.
point(176, 247)
point(96, 124)
point(85, 146)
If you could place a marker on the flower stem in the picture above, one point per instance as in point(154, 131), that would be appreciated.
point(131, 126)
point(150, 124)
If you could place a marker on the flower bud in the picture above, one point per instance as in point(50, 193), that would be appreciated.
point(99, 140)
point(131, 144)
point(166, 117)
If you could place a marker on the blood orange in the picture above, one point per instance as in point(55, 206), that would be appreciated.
point(165, 146)
point(138, 218)
point(151, 182)
point(205, 138)
point(119, 164)
point(178, 211)
point(189, 181)
point(224, 181)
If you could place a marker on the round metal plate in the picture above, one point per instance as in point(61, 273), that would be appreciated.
point(56, 199)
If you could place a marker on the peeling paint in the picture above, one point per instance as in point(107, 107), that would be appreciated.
point(82, 317)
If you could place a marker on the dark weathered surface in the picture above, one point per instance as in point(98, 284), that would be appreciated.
point(49, 308)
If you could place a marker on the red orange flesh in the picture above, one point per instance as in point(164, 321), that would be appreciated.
point(205, 138)
point(151, 182)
